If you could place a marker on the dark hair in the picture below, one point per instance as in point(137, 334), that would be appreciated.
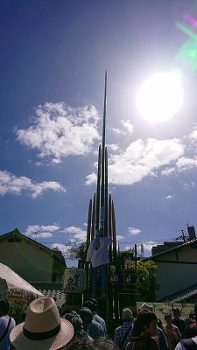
point(4, 307)
point(190, 330)
point(86, 315)
point(80, 344)
point(76, 321)
point(142, 321)
point(95, 303)
point(89, 304)
point(102, 343)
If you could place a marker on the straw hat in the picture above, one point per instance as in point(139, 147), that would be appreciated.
point(145, 308)
point(43, 328)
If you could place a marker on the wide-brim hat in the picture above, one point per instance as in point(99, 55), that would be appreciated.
point(43, 328)
point(146, 308)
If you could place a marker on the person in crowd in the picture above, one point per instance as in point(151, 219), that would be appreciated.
point(190, 319)
point(98, 255)
point(178, 321)
point(98, 344)
point(161, 338)
point(43, 328)
point(7, 323)
point(172, 332)
point(122, 333)
point(187, 344)
point(104, 344)
point(159, 335)
point(160, 324)
point(80, 344)
point(92, 304)
point(91, 327)
point(75, 319)
point(144, 330)
point(190, 330)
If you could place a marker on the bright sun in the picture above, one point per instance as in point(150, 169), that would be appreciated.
point(160, 96)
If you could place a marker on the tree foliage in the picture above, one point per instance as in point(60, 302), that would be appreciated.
point(146, 279)
point(146, 283)
point(78, 252)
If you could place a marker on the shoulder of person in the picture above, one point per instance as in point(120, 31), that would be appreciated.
point(97, 324)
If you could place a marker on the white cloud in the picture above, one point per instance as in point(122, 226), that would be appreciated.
point(77, 232)
point(134, 231)
point(61, 247)
point(119, 237)
point(186, 163)
point(193, 135)
point(91, 179)
point(128, 128)
point(41, 231)
point(142, 158)
point(148, 246)
point(44, 235)
point(168, 171)
point(41, 228)
point(188, 185)
point(59, 130)
point(113, 147)
point(170, 196)
point(9, 183)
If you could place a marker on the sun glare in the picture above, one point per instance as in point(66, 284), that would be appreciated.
point(160, 96)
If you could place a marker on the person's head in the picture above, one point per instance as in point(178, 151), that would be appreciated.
point(95, 304)
point(89, 304)
point(104, 344)
point(127, 315)
point(75, 319)
point(168, 318)
point(4, 307)
point(86, 316)
point(190, 330)
point(145, 324)
point(43, 328)
point(80, 344)
point(176, 313)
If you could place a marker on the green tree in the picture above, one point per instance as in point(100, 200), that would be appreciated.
point(145, 271)
point(78, 252)
point(146, 279)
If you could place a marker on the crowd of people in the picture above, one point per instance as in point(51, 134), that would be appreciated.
point(45, 329)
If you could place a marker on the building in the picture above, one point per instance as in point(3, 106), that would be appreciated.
point(31, 260)
point(177, 271)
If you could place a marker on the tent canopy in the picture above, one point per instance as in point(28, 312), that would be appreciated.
point(12, 283)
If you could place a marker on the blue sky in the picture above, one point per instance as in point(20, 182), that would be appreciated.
point(53, 58)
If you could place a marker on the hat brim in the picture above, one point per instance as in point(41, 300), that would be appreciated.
point(63, 337)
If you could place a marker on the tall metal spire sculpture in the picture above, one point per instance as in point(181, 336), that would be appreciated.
point(101, 213)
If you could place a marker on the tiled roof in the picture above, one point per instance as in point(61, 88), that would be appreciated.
point(54, 293)
point(184, 294)
point(51, 289)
